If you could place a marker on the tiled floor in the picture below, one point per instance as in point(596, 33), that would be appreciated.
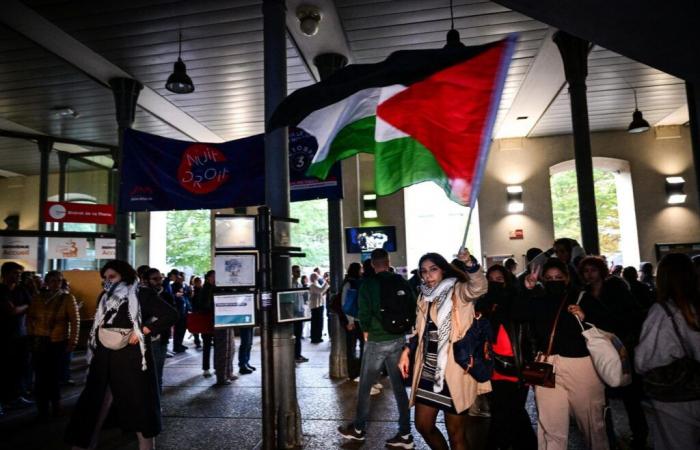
point(197, 415)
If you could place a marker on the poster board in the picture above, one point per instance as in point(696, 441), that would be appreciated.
point(292, 305)
point(86, 286)
point(235, 270)
point(234, 310)
point(234, 232)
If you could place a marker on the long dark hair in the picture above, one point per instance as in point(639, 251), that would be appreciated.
point(448, 270)
point(123, 268)
point(676, 280)
point(507, 275)
point(354, 271)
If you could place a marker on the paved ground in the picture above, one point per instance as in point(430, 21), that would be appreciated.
point(197, 415)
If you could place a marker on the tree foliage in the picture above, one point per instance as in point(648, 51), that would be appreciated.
point(566, 213)
point(188, 240)
point(311, 233)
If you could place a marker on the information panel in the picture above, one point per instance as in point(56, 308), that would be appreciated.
point(293, 305)
point(234, 310)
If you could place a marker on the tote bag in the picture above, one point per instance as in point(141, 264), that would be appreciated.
point(609, 355)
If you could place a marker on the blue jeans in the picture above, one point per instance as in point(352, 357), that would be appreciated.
point(159, 348)
point(246, 344)
point(377, 355)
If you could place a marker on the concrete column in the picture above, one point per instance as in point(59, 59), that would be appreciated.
point(45, 147)
point(327, 64)
point(289, 432)
point(126, 93)
point(693, 94)
point(574, 54)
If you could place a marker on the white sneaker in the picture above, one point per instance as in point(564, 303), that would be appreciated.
point(206, 373)
point(375, 391)
point(379, 386)
point(356, 380)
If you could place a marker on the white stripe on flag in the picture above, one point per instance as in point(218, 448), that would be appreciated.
point(384, 131)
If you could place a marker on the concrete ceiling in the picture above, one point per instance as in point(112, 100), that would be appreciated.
point(62, 52)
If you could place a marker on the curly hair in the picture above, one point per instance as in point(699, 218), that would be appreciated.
point(597, 263)
point(123, 268)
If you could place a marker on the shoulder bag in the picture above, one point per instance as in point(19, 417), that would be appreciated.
point(610, 358)
point(540, 372)
point(114, 338)
point(675, 382)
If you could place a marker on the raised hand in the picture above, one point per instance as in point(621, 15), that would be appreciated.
point(464, 256)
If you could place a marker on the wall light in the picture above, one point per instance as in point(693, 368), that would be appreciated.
point(675, 195)
point(515, 199)
point(369, 206)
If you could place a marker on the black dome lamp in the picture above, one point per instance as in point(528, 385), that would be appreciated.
point(638, 125)
point(179, 82)
point(453, 40)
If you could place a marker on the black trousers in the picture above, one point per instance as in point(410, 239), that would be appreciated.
point(207, 343)
point(179, 332)
point(298, 328)
point(317, 325)
point(510, 423)
point(47, 360)
point(352, 337)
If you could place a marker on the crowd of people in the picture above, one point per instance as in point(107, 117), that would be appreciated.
point(535, 316)
point(417, 332)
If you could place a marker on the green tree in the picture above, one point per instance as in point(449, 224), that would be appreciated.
point(566, 213)
point(311, 233)
point(188, 240)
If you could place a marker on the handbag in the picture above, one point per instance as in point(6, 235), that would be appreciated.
point(540, 372)
point(610, 358)
point(505, 365)
point(678, 381)
point(200, 322)
point(114, 338)
point(473, 352)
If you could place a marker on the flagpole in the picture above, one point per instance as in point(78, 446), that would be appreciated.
point(466, 230)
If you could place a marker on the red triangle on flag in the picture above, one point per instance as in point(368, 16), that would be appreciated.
point(448, 113)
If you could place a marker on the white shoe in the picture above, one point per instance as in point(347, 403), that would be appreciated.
point(375, 391)
point(379, 386)
point(356, 380)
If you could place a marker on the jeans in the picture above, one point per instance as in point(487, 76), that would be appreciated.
point(377, 355)
point(245, 347)
point(159, 348)
point(352, 337)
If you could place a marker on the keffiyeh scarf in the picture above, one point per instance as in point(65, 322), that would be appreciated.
point(111, 302)
point(441, 295)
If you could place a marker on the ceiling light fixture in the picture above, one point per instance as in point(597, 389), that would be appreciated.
point(64, 111)
point(309, 17)
point(179, 82)
point(638, 125)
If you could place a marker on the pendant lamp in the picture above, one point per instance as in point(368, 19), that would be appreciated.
point(179, 82)
point(638, 125)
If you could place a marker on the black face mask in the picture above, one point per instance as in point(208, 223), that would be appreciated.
point(555, 288)
point(496, 288)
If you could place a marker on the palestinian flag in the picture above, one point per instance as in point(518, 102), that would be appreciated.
point(426, 115)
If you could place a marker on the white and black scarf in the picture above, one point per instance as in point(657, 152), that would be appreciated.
point(111, 301)
point(441, 295)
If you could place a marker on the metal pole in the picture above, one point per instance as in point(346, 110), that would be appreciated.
point(265, 283)
point(693, 110)
point(327, 63)
point(289, 433)
point(574, 54)
point(62, 165)
point(126, 93)
point(45, 147)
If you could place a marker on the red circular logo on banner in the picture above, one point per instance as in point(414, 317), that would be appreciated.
point(201, 169)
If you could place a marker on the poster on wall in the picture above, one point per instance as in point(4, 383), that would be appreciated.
point(66, 248)
point(235, 269)
point(105, 248)
point(234, 310)
point(234, 232)
point(24, 248)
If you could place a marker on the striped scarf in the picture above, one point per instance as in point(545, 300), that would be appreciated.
point(441, 295)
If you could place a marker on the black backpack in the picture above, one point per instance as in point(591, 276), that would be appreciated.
point(395, 309)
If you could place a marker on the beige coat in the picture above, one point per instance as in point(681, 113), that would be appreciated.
point(463, 388)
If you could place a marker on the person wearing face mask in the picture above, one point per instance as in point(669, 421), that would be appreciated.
point(444, 313)
point(512, 347)
point(578, 389)
point(121, 374)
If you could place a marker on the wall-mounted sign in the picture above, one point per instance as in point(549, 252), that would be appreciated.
point(234, 310)
point(105, 248)
point(66, 248)
point(79, 212)
point(516, 234)
point(234, 232)
point(235, 269)
point(24, 248)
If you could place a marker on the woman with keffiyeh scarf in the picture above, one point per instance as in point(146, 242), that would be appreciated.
point(445, 311)
point(122, 382)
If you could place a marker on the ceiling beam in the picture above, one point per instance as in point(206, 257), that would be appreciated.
point(330, 37)
point(539, 88)
point(29, 23)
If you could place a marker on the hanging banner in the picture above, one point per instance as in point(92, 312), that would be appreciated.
point(105, 248)
point(160, 174)
point(79, 212)
point(66, 248)
point(24, 248)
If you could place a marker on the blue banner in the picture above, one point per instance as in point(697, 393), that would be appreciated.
point(160, 174)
